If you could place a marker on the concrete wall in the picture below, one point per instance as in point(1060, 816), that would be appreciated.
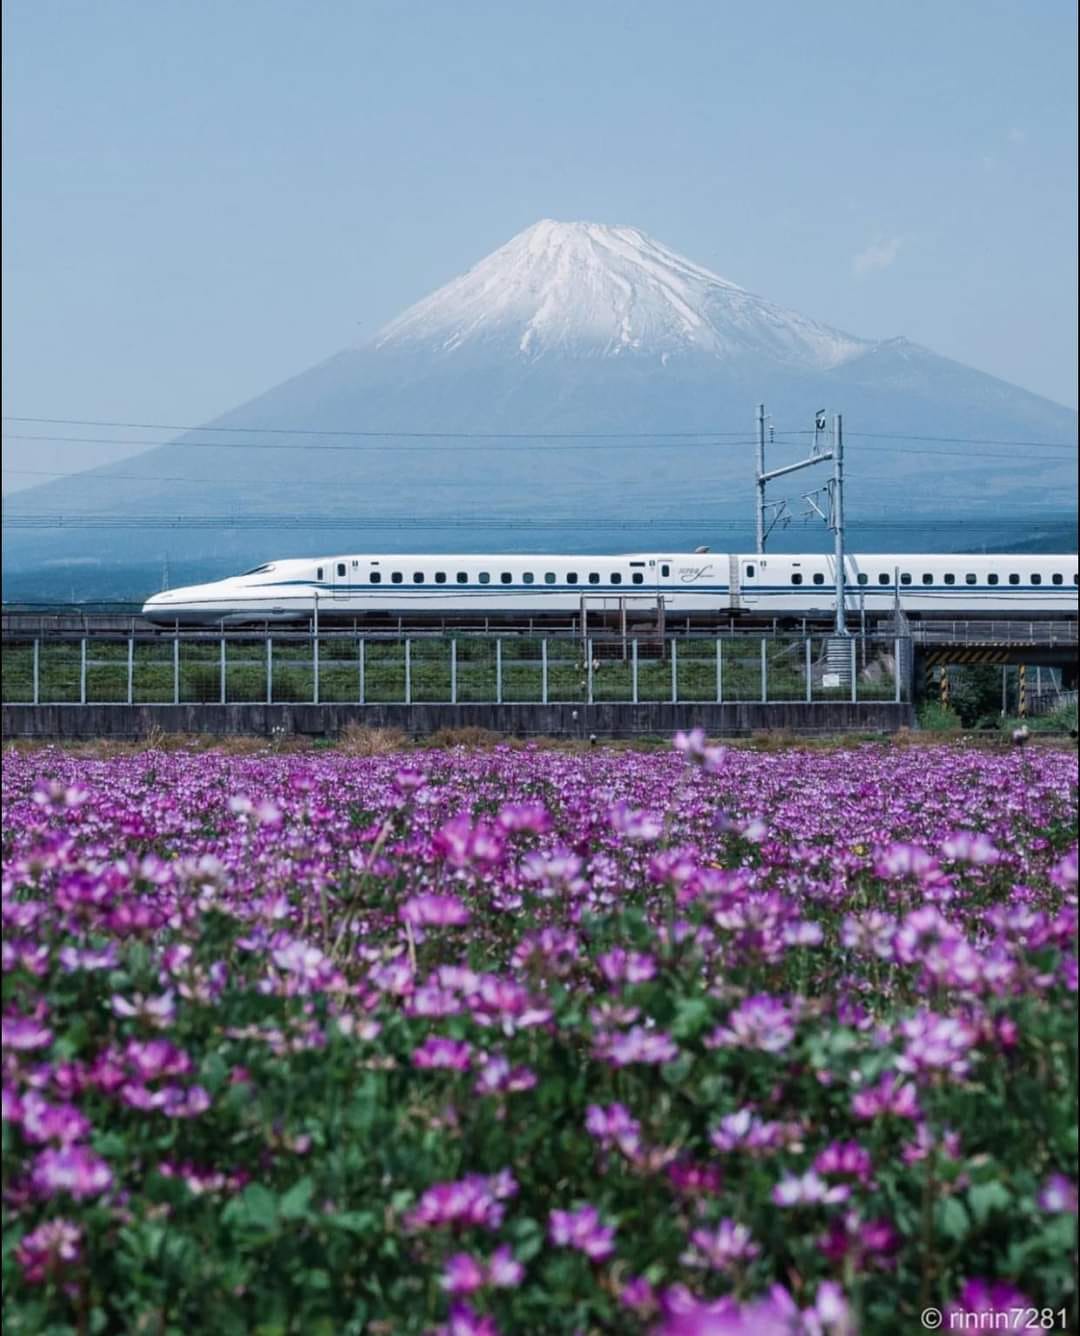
point(659, 719)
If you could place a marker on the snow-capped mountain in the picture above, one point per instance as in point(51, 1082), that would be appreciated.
point(587, 290)
point(579, 328)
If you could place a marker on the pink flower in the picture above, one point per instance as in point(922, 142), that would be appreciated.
point(463, 1274)
point(621, 966)
point(581, 1229)
point(158, 1012)
point(497, 1077)
point(614, 1126)
point(888, 1096)
point(62, 1123)
point(936, 1044)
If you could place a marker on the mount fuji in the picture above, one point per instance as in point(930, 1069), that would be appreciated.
point(582, 377)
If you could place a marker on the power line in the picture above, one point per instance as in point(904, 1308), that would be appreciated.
point(122, 520)
point(633, 441)
point(500, 436)
point(321, 482)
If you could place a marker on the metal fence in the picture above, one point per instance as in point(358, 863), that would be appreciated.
point(336, 668)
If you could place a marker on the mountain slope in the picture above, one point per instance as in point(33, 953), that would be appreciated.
point(570, 328)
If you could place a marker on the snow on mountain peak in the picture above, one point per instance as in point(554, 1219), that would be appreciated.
point(590, 289)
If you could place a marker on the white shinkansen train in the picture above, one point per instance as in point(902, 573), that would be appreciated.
point(700, 583)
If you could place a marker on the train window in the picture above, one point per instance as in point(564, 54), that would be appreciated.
point(992, 579)
point(528, 577)
point(616, 578)
point(418, 577)
point(549, 577)
point(341, 568)
point(485, 577)
point(638, 578)
point(462, 577)
point(819, 579)
point(928, 579)
point(971, 579)
point(796, 579)
point(665, 570)
point(594, 578)
point(571, 577)
point(749, 572)
point(950, 579)
point(1036, 579)
point(883, 579)
point(260, 570)
point(905, 577)
point(375, 578)
point(440, 577)
point(396, 577)
point(1057, 579)
point(318, 572)
point(1014, 579)
point(506, 578)
point(863, 578)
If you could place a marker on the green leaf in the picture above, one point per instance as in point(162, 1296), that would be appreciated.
point(952, 1219)
point(294, 1204)
point(352, 1222)
point(691, 1017)
point(259, 1206)
point(985, 1198)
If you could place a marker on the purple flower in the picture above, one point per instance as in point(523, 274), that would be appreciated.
point(638, 1044)
point(1057, 1196)
point(74, 1170)
point(62, 1123)
point(614, 1126)
point(24, 1033)
point(474, 1200)
point(49, 1250)
point(463, 1274)
point(888, 1096)
point(158, 1012)
point(936, 1044)
point(437, 1051)
point(581, 1229)
point(807, 1190)
point(721, 1248)
point(762, 1022)
point(986, 1298)
point(621, 966)
point(435, 911)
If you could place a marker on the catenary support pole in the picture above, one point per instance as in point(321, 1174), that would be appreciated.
point(759, 519)
point(838, 520)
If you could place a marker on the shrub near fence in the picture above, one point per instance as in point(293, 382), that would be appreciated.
point(346, 669)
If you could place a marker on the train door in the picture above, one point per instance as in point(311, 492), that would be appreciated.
point(339, 580)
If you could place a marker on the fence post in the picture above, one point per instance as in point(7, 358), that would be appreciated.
point(633, 670)
point(221, 684)
point(543, 671)
point(588, 670)
point(897, 696)
point(854, 672)
point(82, 671)
point(453, 671)
point(674, 672)
point(269, 670)
point(361, 649)
point(37, 671)
point(498, 672)
point(1022, 700)
point(408, 671)
point(315, 657)
point(719, 671)
point(131, 670)
point(764, 670)
point(809, 672)
point(176, 670)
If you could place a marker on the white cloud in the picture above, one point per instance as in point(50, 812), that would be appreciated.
point(880, 255)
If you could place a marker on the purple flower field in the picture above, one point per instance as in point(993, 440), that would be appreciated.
point(695, 1043)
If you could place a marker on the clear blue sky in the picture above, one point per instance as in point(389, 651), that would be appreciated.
point(202, 198)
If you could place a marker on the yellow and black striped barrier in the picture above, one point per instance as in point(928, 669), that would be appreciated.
point(1022, 700)
point(943, 684)
point(980, 654)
